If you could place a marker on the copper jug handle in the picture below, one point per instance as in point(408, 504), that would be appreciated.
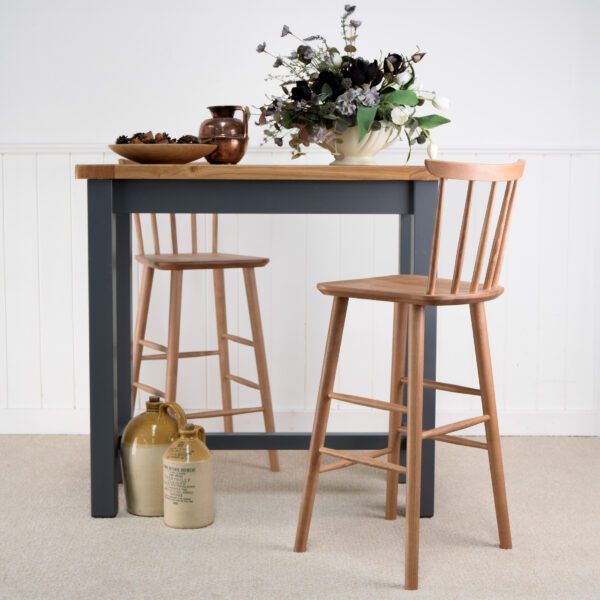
point(179, 412)
point(245, 111)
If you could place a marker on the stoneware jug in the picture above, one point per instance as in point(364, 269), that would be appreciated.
point(228, 133)
point(145, 439)
point(188, 481)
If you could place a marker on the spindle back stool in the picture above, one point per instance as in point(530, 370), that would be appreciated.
point(410, 294)
point(176, 263)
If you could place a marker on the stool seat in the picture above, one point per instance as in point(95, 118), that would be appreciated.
point(200, 260)
point(410, 289)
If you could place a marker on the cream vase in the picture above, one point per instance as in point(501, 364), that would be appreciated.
point(351, 151)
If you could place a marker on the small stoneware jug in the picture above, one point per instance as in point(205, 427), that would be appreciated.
point(188, 481)
point(145, 439)
point(228, 133)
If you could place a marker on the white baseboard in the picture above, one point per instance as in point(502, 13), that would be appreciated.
point(552, 423)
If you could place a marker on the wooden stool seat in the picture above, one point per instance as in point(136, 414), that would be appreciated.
point(200, 260)
point(410, 294)
point(411, 289)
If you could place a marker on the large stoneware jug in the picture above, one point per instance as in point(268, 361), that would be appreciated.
point(188, 481)
point(145, 439)
point(228, 133)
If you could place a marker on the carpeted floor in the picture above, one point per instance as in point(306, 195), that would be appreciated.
point(51, 548)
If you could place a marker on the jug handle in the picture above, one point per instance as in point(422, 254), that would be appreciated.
point(246, 112)
point(201, 434)
point(179, 412)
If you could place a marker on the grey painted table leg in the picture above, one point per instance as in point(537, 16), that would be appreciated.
point(103, 328)
point(416, 231)
point(123, 279)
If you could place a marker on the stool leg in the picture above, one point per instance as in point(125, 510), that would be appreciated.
point(261, 359)
point(223, 345)
point(173, 343)
point(330, 361)
point(488, 400)
point(414, 441)
point(140, 328)
point(396, 392)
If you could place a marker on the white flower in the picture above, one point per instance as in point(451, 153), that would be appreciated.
point(432, 150)
point(441, 102)
point(336, 59)
point(403, 77)
point(415, 86)
point(399, 115)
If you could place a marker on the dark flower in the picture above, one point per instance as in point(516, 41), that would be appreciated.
point(261, 47)
point(356, 24)
point(362, 72)
point(285, 30)
point(278, 62)
point(332, 80)
point(349, 9)
point(394, 63)
point(305, 54)
point(301, 91)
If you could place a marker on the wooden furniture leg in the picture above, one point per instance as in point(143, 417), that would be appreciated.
point(261, 359)
point(414, 442)
point(395, 418)
point(330, 361)
point(140, 327)
point(488, 400)
point(173, 343)
point(223, 345)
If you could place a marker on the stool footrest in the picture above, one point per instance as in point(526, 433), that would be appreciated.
point(430, 433)
point(225, 412)
point(237, 339)
point(363, 460)
point(242, 381)
point(447, 387)
point(342, 464)
point(460, 441)
point(369, 402)
point(153, 345)
point(194, 354)
point(148, 388)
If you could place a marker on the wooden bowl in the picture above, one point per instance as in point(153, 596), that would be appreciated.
point(165, 154)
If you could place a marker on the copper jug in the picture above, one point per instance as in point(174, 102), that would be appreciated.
point(228, 133)
point(145, 439)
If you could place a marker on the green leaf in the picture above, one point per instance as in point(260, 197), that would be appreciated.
point(404, 97)
point(431, 121)
point(364, 118)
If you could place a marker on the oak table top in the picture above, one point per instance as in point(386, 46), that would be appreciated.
point(255, 172)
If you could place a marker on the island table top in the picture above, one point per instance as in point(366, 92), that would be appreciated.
point(255, 172)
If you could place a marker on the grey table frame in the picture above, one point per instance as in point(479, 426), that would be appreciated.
point(110, 205)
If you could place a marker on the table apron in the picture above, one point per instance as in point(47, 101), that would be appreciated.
point(255, 197)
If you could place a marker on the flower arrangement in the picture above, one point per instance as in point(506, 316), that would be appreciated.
point(327, 91)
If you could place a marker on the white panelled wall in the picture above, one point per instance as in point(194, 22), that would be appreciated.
point(522, 78)
point(544, 330)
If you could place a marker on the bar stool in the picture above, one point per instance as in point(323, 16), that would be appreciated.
point(176, 263)
point(410, 294)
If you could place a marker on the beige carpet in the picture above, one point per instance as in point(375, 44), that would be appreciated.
point(51, 548)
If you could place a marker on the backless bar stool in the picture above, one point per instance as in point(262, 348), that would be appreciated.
point(410, 294)
point(176, 264)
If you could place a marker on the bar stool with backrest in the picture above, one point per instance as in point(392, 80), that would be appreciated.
point(176, 263)
point(410, 295)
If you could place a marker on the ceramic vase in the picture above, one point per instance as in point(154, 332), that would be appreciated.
point(352, 151)
point(188, 481)
point(145, 439)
